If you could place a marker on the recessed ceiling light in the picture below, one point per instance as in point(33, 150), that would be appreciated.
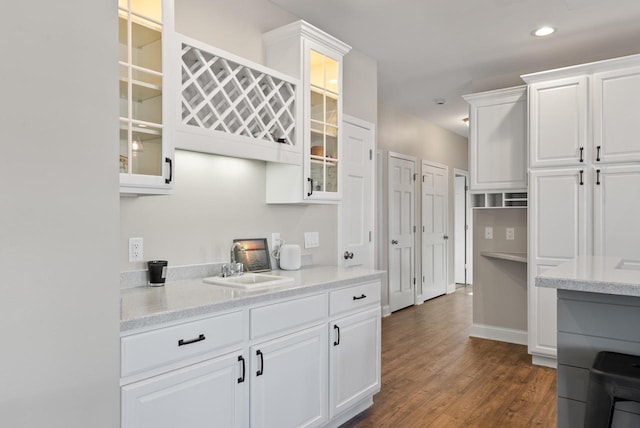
point(543, 31)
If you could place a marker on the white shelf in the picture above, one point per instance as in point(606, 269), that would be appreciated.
point(504, 255)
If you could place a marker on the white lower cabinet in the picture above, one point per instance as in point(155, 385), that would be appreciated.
point(289, 380)
point(354, 371)
point(210, 394)
point(272, 365)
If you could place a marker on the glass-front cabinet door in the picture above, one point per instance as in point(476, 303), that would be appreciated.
point(145, 162)
point(324, 155)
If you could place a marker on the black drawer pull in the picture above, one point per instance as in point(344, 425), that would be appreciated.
point(337, 341)
point(598, 177)
point(581, 154)
point(259, 354)
point(183, 342)
point(241, 359)
point(598, 153)
point(361, 297)
point(581, 177)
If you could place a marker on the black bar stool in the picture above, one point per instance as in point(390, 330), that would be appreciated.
point(613, 377)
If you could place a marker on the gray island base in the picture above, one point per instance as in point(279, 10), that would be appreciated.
point(598, 310)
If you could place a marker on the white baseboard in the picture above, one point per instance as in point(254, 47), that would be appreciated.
point(501, 334)
point(419, 300)
point(540, 360)
point(451, 288)
point(386, 311)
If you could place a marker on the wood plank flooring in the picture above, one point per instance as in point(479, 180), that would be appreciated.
point(435, 375)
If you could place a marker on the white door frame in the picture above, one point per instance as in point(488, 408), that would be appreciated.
point(413, 262)
point(371, 259)
point(469, 222)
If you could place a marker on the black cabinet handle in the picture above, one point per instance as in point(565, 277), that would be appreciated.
point(581, 177)
point(598, 177)
point(183, 342)
point(259, 354)
point(168, 180)
point(359, 298)
point(337, 329)
point(598, 153)
point(310, 180)
point(581, 154)
point(241, 359)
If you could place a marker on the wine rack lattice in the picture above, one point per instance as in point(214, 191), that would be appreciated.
point(227, 96)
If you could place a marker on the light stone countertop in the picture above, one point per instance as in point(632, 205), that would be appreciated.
point(145, 307)
point(594, 274)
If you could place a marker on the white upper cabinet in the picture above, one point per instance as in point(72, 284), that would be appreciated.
point(146, 155)
point(498, 139)
point(315, 58)
point(233, 107)
point(616, 109)
point(558, 122)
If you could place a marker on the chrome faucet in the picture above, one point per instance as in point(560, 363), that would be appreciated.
point(234, 267)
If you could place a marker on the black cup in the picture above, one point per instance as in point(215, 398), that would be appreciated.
point(157, 272)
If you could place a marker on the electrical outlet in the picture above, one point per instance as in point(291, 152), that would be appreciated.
point(275, 241)
point(511, 234)
point(488, 232)
point(311, 239)
point(135, 250)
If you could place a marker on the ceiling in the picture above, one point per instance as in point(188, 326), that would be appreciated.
point(429, 49)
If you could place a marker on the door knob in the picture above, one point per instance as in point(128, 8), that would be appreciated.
point(394, 242)
point(446, 237)
point(348, 255)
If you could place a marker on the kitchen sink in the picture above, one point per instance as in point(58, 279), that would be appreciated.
point(249, 280)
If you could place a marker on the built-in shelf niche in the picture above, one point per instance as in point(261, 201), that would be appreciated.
point(499, 200)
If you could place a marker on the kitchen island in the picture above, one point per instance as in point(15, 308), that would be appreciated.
point(598, 310)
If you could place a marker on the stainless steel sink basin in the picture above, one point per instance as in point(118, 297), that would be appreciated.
point(249, 280)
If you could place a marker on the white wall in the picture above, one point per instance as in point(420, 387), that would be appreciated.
point(59, 310)
point(402, 133)
point(217, 199)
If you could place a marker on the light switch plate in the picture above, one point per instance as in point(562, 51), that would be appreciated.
point(311, 239)
point(488, 232)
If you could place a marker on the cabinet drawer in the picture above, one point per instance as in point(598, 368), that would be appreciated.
point(287, 315)
point(145, 351)
point(354, 297)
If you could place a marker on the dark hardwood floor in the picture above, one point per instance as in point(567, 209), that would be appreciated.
point(435, 375)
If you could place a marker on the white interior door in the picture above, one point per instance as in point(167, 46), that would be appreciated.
point(459, 231)
point(435, 189)
point(356, 240)
point(402, 199)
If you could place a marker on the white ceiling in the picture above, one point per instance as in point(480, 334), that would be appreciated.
point(428, 49)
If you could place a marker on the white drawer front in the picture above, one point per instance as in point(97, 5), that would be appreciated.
point(145, 351)
point(355, 297)
point(287, 315)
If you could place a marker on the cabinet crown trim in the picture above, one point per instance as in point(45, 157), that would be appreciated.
point(582, 69)
point(303, 28)
point(511, 94)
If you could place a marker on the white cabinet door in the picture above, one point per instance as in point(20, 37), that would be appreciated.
point(210, 394)
point(558, 122)
point(557, 233)
point(615, 115)
point(354, 360)
point(616, 208)
point(289, 380)
point(498, 139)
